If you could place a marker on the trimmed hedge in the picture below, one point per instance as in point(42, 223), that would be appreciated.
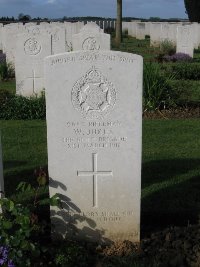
point(183, 71)
point(21, 108)
point(187, 92)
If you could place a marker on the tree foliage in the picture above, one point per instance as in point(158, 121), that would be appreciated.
point(23, 17)
point(193, 10)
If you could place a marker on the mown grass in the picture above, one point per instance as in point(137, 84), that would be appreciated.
point(24, 149)
point(170, 169)
point(170, 175)
point(140, 47)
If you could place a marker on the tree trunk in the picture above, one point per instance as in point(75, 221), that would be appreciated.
point(193, 10)
point(119, 23)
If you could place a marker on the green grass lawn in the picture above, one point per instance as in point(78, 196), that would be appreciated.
point(170, 169)
point(24, 149)
point(140, 47)
point(170, 172)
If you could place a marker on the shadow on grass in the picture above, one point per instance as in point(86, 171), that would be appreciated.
point(176, 202)
point(13, 164)
point(12, 178)
point(162, 170)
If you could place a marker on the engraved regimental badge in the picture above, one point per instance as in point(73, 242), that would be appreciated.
point(90, 44)
point(93, 95)
point(32, 47)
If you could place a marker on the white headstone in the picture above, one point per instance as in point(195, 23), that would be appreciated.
point(1, 43)
point(91, 37)
point(140, 31)
point(168, 32)
point(185, 40)
point(196, 29)
point(70, 30)
point(29, 66)
point(10, 32)
point(94, 133)
point(132, 28)
point(155, 34)
point(57, 39)
point(147, 28)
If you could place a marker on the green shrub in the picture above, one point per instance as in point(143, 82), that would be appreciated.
point(6, 71)
point(21, 108)
point(183, 71)
point(21, 229)
point(71, 254)
point(187, 92)
point(156, 86)
point(167, 47)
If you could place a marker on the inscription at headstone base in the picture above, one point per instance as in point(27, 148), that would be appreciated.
point(94, 122)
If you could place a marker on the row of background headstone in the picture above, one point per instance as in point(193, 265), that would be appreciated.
point(184, 35)
point(26, 45)
point(176, 32)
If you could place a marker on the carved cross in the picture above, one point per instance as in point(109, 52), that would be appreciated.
point(95, 173)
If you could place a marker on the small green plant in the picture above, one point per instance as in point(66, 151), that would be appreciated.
point(167, 47)
point(72, 254)
point(20, 227)
point(156, 87)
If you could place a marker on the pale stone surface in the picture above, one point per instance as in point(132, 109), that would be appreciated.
point(125, 26)
point(185, 40)
point(91, 37)
point(168, 32)
point(132, 28)
point(147, 28)
point(30, 53)
point(140, 31)
point(57, 39)
point(1, 44)
point(196, 29)
point(94, 133)
point(10, 32)
point(70, 30)
point(155, 34)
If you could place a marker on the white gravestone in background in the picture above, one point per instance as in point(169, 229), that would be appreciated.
point(1, 37)
point(168, 33)
point(10, 32)
point(70, 29)
point(132, 28)
point(140, 31)
point(185, 40)
point(31, 49)
point(91, 37)
point(57, 39)
point(155, 34)
point(196, 30)
point(94, 133)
